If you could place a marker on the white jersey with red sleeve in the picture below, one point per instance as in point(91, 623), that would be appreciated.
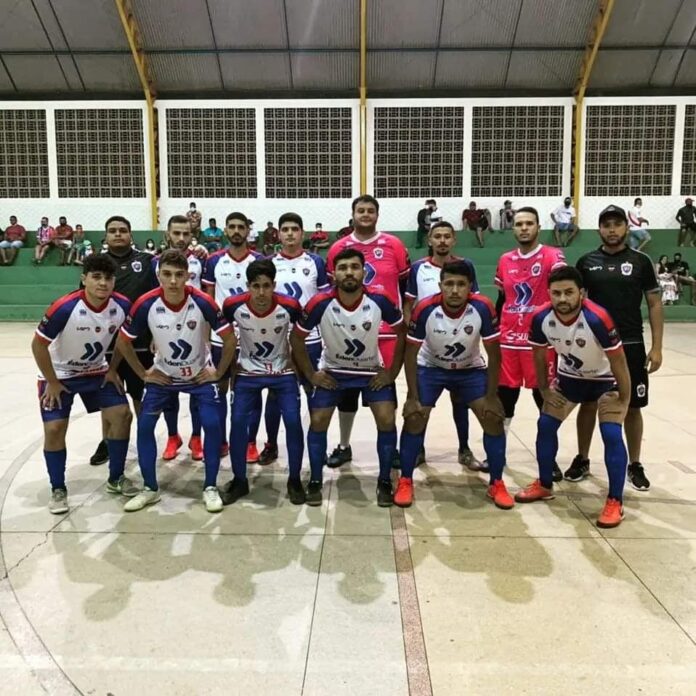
point(581, 345)
point(195, 268)
point(524, 279)
point(180, 333)
point(79, 334)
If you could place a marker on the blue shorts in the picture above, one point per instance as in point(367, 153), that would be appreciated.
point(247, 392)
point(637, 235)
point(216, 355)
point(158, 398)
point(564, 226)
point(328, 398)
point(94, 396)
point(468, 385)
point(581, 391)
point(314, 352)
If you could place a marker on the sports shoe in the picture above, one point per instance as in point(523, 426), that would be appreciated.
point(58, 502)
point(296, 492)
point(396, 460)
point(252, 456)
point(385, 495)
point(637, 477)
point(484, 467)
point(498, 493)
point(466, 458)
point(234, 490)
point(146, 497)
point(421, 458)
point(403, 496)
point(172, 447)
point(195, 444)
point(313, 495)
point(101, 454)
point(268, 455)
point(123, 486)
point(557, 473)
point(611, 514)
point(340, 456)
point(534, 491)
point(212, 499)
point(578, 470)
point(224, 449)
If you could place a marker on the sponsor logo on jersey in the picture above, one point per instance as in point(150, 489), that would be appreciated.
point(353, 327)
point(136, 266)
point(245, 315)
point(594, 268)
point(581, 325)
point(160, 310)
point(366, 308)
point(581, 342)
point(626, 268)
point(263, 331)
point(552, 323)
point(192, 323)
point(536, 269)
point(336, 310)
point(83, 312)
point(80, 328)
point(439, 315)
point(162, 326)
point(568, 343)
point(178, 327)
point(97, 329)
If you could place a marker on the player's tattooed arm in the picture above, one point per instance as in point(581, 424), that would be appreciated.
point(54, 388)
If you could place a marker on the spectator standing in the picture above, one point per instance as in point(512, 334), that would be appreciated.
point(270, 238)
point(15, 236)
point(212, 236)
point(507, 216)
point(78, 240)
point(638, 235)
point(476, 219)
point(194, 218)
point(424, 221)
point(686, 217)
point(345, 231)
point(44, 236)
point(319, 239)
point(564, 218)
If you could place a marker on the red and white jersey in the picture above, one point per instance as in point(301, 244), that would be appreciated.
point(581, 345)
point(349, 334)
point(452, 341)
point(195, 269)
point(263, 338)
point(79, 334)
point(524, 279)
point(180, 333)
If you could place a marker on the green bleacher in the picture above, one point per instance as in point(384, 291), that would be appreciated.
point(26, 290)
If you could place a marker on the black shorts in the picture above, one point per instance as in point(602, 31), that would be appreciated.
point(635, 357)
point(133, 384)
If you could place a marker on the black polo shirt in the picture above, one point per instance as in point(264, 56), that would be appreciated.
point(687, 215)
point(618, 283)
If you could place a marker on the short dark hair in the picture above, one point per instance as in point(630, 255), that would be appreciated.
point(173, 257)
point(365, 198)
point(430, 200)
point(459, 268)
point(443, 223)
point(677, 253)
point(99, 263)
point(237, 216)
point(349, 253)
point(176, 219)
point(566, 273)
point(528, 209)
point(117, 218)
point(212, 220)
point(290, 217)
point(260, 267)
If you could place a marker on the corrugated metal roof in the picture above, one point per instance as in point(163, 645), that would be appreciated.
point(325, 71)
point(257, 23)
point(249, 71)
point(106, 73)
point(471, 69)
point(686, 77)
point(20, 27)
point(35, 73)
point(475, 23)
point(666, 67)
point(407, 23)
point(402, 70)
point(50, 23)
point(559, 23)
point(635, 22)
point(683, 24)
point(323, 23)
point(186, 73)
point(71, 73)
point(621, 69)
point(105, 29)
point(5, 82)
point(174, 23)
point(552, 69)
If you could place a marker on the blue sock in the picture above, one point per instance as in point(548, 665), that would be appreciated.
point(254, 419)
point(222, 414)
point(460, 412)
point(294, 439)
point(118, 449)
point(171, 418)
point(316, 449)
point(494, 446)
point(615, 458)
point(272, 418)
point(409, 447)
point(386, 447)
point(195, 419)
point(147, 449)
point(547, 447)
point(55, 463)
point(209, 418)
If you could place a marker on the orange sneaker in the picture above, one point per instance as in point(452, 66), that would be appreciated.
point(611, 515)
point(252, 453)
point(172, 448)
point(196, 446)
point(534, 491)
point(500, 496)
point(224, 449)
point(403, 496)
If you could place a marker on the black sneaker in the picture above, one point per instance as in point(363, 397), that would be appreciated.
point(420, 459)
point(101, 454)
point(313, 495)
point(234, 490)
point(578, 470)
point(296, 492)
point(637, 477)
point(268, 455)
point(339, 457)
point(557, 473)
point(385, 495)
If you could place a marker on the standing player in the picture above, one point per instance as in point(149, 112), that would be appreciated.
point(224, 275)
point(522, 279)
point(443, 353)
point(386, 270)
point(264, 319)
point(349, 319)
point(69, 347)
point(592, 369)
point(617, 278)
point(179, 317)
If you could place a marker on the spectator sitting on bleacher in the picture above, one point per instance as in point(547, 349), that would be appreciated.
point(564, 221)
point(15, 236)
point(638, 235)
point(62, 239)
point(682, 274)
point(319, 239)
point(686, 217)
point(78, 240)
point(507, 215)
point(212, 236)
point(667, 281)
point(345, 231)
point(150, 247)
point(44, 235)
point(476, 219)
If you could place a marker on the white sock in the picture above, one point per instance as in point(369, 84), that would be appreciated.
point(345, 426)
point(506, 425)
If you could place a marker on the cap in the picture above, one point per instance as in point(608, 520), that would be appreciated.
point(613, 210)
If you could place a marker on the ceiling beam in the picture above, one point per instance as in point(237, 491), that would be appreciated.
point(363, 97)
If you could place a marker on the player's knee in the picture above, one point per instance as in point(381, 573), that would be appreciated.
point(493, 424)
point(54, 434)
point(415, 424)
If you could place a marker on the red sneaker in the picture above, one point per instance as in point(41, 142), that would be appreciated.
point(252, 453)
point(224, 449)
point(534, 491)
point(611, 515)
point(403, 496)
point(500, 496)
point(172, 448)
point(196, 446)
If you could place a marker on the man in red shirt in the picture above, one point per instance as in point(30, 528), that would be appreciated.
point(477, 220)
point(62, 239)
point(15, 236)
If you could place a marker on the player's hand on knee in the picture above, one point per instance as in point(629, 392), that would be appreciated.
point(413, 409)
point(324, 380)
point(554, 398)
point(154, 376)
point(207, 374)
point(382, 379)
point(112, 377)
point(51, 396)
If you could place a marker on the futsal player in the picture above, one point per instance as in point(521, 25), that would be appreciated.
point(442, 352)
point(349, 318)
point(592, 368)
point(69, 347)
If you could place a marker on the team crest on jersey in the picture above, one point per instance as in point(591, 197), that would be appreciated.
point(640, 390)
point(379, 253)
point(192, 324)
point(626, 268)
point(581, 342)
point(136, 266)
point(112, 329)
point(536, 269)
point(278, 329)
point(367, 325)
point(305, 271)
point(468, 329)
point(112, 311)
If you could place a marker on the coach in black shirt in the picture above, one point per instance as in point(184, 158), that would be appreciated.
point(617, 278)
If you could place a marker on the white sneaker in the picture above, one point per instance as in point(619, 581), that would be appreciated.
point(124, 486)
point(212, 499)
point(143, 499)
point(58, 503)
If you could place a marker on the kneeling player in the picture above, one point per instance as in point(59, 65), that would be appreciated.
point(264, 319)
point(69, 347)
point(592, 367)
point(442, 352)
point(179, 318)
